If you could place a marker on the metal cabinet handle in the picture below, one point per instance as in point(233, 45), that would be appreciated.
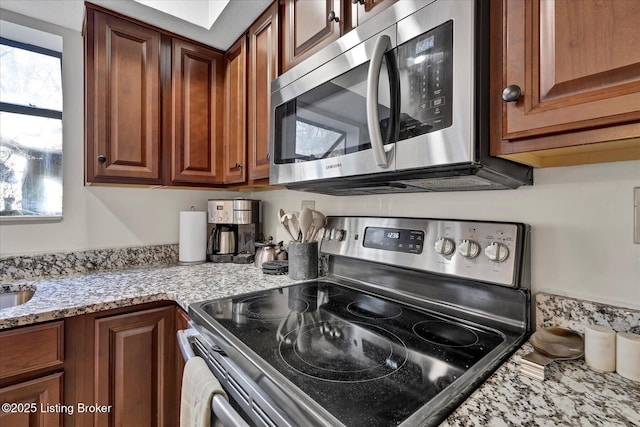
point(511, 93)
point(333, 17)
point(238, 165)
point(373, 123)
point(268, 156)
point(102, 158)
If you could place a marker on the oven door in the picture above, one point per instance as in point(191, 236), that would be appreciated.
point(339, 119)
point(249, 404)
point(220, 407)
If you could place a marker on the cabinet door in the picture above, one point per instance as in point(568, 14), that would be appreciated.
point(122, 101)
point(306, 27)
point(262, 68)
point(577, 65)
point(43, 399)
point(364, 10)
point(235, 114)
point(197, 80)
point(133, 366)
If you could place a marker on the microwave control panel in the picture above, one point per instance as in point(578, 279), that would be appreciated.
point(425, 66)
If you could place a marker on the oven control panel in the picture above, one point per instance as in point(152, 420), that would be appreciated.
point(485, 251)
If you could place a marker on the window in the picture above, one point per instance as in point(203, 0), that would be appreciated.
point(30, 130)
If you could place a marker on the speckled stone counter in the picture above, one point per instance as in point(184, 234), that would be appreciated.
point(60, 297)
point(572, 394)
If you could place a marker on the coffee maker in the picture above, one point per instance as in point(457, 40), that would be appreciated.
point(233, 227)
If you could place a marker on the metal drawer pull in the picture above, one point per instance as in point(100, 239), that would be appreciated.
point(219, 405)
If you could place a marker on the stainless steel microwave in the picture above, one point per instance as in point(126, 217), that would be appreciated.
point(400, 104)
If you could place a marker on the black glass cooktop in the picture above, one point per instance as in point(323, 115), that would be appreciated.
point(367, 360)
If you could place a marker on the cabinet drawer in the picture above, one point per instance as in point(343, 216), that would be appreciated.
point(31, 349)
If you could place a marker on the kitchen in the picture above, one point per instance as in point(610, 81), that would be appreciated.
point(581, 216)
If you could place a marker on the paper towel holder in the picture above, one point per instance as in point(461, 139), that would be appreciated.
point(193, 237)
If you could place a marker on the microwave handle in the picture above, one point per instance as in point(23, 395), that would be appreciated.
point(373, 124)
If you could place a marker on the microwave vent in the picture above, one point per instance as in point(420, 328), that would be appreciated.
point(459, 183)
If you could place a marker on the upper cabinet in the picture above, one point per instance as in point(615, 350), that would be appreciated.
point(235, 92)
point(308, 25)
point(362, 10)
point(197, 100)
point(152, 101)
point(262, 68)
point(566, 81)
point(122, 106)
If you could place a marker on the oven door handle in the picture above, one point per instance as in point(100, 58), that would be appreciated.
point(373, 124)
point(219, 405)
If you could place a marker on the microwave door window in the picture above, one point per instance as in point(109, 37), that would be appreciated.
point(329, 120)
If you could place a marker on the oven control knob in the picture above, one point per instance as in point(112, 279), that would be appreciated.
point(444, 246)
point(340, 235)
point(326, 234)
point(469, 248)
point(496, 252)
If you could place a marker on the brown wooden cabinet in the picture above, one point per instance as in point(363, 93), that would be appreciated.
point(38, 403)
point(153, 105)
point(235, 113)
point(197, 101)
point(31, 375)
point(122, 101)
point(577, 66)
point(133, 362)
point(262, 68)
point(124, 360)
point(363, 10)
point(308, 25)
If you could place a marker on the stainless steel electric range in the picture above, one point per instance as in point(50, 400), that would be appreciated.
point(413, 315)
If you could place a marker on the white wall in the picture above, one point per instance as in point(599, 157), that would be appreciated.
point(581, 219)
point(581, 216)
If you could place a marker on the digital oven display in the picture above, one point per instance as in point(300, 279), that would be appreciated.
point(393, 239)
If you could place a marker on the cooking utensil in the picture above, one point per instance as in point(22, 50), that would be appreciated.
point(319, 221)
point(294, 225)
point(306, 220)
point(551, 344)
point(285, 224)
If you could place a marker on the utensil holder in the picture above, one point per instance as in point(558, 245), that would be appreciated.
point(303, 260)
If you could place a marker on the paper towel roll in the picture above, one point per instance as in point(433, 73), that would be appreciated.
point(600, 348)
point(628, 355)
point(193, 237)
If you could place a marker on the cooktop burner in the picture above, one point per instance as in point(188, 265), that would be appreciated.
point(335, 351)
point(328, 339)
point(445, 333)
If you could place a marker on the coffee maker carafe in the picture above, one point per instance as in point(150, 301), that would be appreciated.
point(234, 226)
point(222, 240)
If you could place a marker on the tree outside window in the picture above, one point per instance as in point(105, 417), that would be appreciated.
point(30, 130)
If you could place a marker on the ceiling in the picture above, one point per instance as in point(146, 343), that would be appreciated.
point(234, 19)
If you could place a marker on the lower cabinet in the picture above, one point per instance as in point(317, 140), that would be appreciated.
point(32, 360)
point(34, 403)
point(124, 363)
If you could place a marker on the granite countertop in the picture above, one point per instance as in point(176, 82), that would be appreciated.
point(572, 394)
point(66, 296)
